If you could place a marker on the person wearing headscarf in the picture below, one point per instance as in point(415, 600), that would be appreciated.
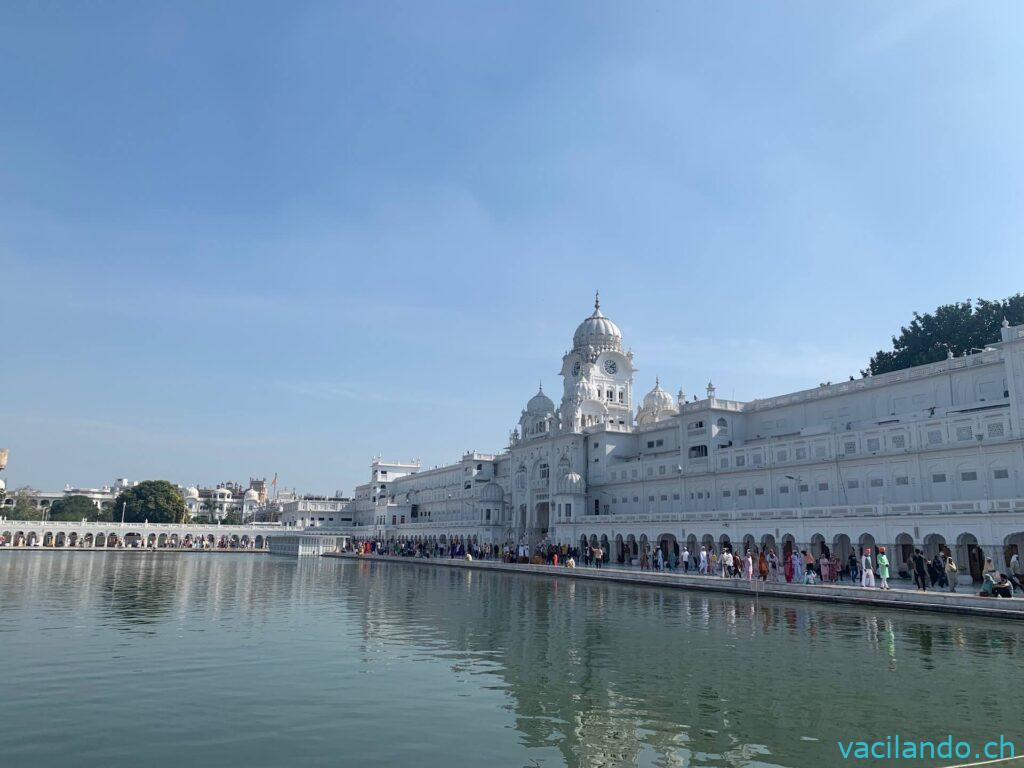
point(883, 568)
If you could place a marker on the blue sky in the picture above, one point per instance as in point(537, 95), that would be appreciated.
point(246, 238)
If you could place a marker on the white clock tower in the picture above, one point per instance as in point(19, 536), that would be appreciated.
point(598, 377)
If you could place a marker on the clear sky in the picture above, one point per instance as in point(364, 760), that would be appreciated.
point(246, 238)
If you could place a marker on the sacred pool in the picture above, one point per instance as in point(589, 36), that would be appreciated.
point(127, 659)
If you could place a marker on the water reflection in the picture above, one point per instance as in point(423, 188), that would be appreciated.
point(395, 662)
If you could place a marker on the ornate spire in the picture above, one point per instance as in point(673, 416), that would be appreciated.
point(597, 300)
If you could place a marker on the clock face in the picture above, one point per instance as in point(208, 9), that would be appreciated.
point(576, 368)
point(611, 366)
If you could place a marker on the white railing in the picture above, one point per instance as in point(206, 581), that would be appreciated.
point(184, 527)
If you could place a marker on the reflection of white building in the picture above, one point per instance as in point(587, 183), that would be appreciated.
point(921, 457)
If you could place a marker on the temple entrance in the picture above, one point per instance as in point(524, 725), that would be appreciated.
point(542, 516)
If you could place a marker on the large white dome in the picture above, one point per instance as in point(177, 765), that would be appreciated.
point(597, 331)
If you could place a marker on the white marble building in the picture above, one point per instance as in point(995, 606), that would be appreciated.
point(921, 457)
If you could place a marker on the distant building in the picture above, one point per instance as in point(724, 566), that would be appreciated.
point(316, 512)
point(217, 503)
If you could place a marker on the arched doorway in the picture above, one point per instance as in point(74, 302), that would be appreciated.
point(48, 539)
point(1013, 545)
point(620, 549)
point(843, 548)
point(788, 546)
point(867, 541)
point(768, 544)
point(750, 545)
point(818, 546)
point(904, 549)
point(632, 550)
point(969, 554)
point(668, 545)
point(87, 541)
point(934, 543)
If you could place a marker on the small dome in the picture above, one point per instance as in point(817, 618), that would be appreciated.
point(251, 495)
point(540, 403)
point(597, 331)
point(192, 492)
point(492, 492)
point(570, 482)
point(658, 398)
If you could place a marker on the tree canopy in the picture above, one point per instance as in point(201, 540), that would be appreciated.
point(77, 508)
point(23, 508)
point(154, 500)
point(956, 328)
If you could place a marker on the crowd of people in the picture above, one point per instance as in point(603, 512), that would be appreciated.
point(869, 569)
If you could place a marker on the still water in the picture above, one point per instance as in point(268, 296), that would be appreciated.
point(125, 659)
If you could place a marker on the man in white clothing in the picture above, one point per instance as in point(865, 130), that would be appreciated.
point(867, 570)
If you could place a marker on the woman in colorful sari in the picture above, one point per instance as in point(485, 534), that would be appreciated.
point(762, 566)
point(787, 569)
point(826, 569)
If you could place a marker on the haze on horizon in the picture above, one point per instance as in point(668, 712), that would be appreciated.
point(245, 239)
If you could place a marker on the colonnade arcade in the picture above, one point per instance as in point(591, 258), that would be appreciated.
point(967, 549)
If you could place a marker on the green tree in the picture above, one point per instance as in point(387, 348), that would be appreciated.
point(232, 517)
point(23, 508)
point(956, 328)
point(154, 500)
point(77, 508)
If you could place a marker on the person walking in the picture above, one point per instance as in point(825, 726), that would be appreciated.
point(762, 566)
point(883, 568)
point(702, 566)
point(773, 565)
point(867, 570)
point(920, 570)
point(686, 559)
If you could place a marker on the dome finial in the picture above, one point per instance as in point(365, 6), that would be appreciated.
point(597, 299)
point(657, 381)
point(540, 386)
